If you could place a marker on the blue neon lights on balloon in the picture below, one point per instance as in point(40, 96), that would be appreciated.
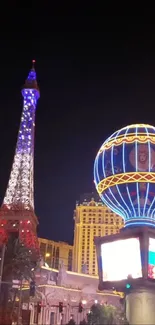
point(129, 152)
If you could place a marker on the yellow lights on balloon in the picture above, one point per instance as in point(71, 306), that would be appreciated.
point(128, 139)
point(139, 125)
point(124, 178)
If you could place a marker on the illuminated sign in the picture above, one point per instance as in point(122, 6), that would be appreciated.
point(121, 259)
point(151, 258)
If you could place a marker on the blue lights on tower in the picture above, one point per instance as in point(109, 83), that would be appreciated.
point(31, 94)
point(20, 187)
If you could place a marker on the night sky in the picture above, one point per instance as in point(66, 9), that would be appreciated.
point(96, 74)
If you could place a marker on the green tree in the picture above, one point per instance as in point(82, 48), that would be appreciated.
point(19, 264)
point(83, 322)
point(71, 322)
point(105, 314)
point(96, 315)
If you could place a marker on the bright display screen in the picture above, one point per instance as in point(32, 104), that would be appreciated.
point(121, 259)
point(151, 258)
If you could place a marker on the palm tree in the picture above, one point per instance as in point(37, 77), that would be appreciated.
point(19, 264)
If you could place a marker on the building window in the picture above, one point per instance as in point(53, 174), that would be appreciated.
point(53, 259)
point(106, 231)
point(43, 249)
point(57, 258)
point(70, 260)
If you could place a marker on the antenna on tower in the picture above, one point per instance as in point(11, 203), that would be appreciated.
point(33, 64)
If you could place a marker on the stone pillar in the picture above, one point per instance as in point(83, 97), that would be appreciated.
point(140, 307)
point(31, 307)
point(46, 316)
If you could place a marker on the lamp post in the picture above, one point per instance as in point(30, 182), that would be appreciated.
point(19, 322)
point(2, 264)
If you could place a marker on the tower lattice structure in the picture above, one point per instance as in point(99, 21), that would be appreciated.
point(17, 211)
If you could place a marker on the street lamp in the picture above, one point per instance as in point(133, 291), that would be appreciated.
point(84, 302)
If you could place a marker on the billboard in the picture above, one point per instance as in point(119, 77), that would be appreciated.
point(151, 258)
point(120, 259)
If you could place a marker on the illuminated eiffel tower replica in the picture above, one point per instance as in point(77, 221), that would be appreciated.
point(17, 211)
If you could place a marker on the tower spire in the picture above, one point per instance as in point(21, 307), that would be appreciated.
point(31, 81)
point(18, 204)
point(33, 64)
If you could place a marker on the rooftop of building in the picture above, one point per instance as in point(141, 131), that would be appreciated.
point(88, 284)
point(46, 240)
point(87, 198)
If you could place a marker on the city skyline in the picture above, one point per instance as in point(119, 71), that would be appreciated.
point(91, 85)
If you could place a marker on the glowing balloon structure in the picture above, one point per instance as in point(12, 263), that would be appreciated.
point(124, 174)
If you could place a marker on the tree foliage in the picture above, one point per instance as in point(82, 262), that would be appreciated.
point(71, 322)
point(83, 322)
point(19, 264)
point(19, 261)
point(106, 314)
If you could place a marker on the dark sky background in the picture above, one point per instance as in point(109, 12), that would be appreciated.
point(96, 74)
